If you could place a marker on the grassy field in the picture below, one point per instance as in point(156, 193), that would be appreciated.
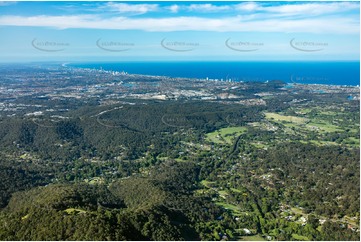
point(234, 209)
point(322, 143)
point(232, 130)
point(300, 237)
point(207, 184)
point(297, 211)
point(180, 160)
point(278, 117)
point(162, 158)
point(352, 141)
point(95, 180)
point(323, 127)
point(304, 110)
point(74, 211)
point(223, 194)
point(225, 135)
point(305, 124)
point(235, 190)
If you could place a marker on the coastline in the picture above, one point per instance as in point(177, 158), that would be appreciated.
point(326, 73)
point(290, 82)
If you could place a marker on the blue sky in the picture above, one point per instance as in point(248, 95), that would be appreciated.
point(137, 31)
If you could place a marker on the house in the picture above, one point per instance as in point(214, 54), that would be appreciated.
point(322, 221)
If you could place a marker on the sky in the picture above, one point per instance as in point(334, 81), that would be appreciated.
point(179, 31)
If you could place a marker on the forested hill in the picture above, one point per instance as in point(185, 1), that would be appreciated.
point(129, 209)
point(246, 161)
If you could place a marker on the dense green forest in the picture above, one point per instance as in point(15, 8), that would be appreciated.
point(184, 170)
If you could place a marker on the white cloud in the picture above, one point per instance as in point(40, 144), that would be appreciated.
point(334, 25)
point(290, 9)
point(207, 7)
point(6, 3)
point(131, 8)
point(247, 6)
point(174, 8)
point(253, 17)
point(308, 9)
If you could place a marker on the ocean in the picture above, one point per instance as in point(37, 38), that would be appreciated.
point(330, 73)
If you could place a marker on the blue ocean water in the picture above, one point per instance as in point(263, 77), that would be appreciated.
point(331, 73)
